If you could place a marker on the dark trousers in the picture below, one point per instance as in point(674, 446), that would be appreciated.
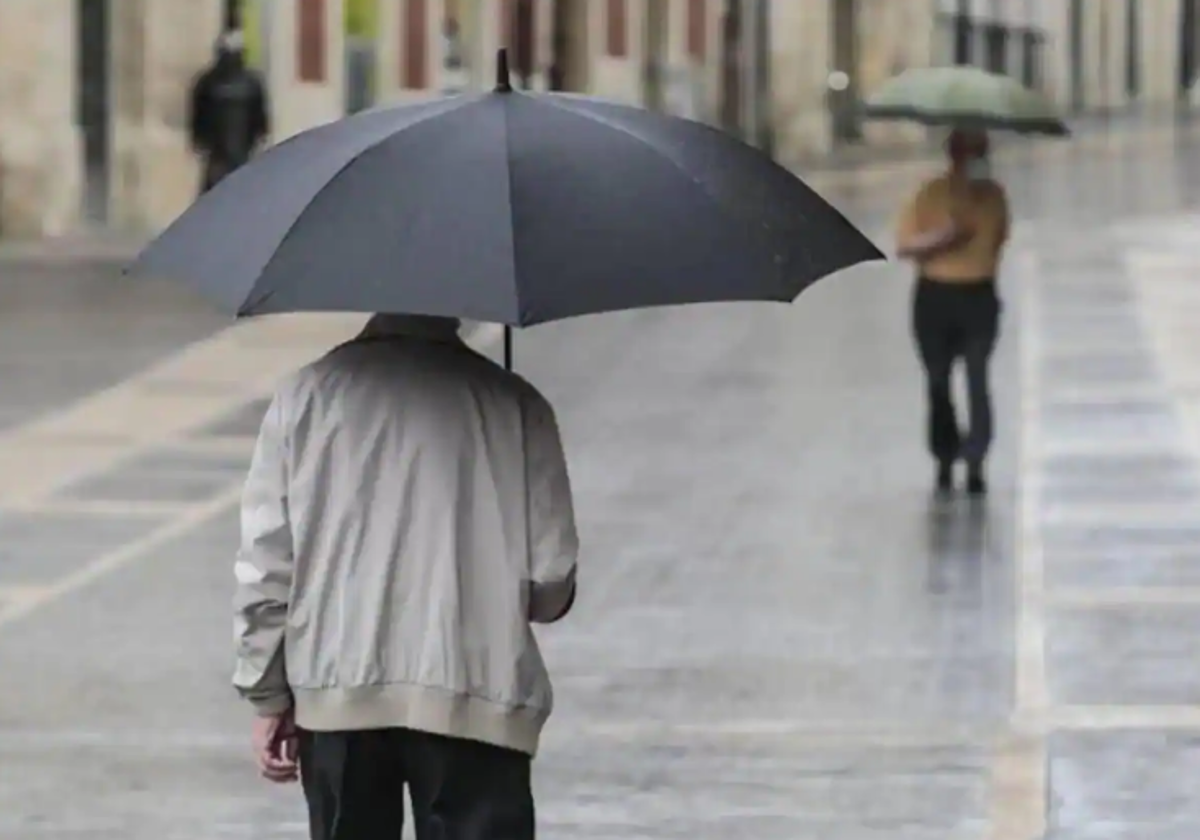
point(951, 322)
point(460, 790)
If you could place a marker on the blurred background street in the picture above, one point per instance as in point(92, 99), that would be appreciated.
point(779, 633)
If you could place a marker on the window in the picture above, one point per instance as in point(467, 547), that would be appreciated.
point(697, 29)
point(415, 73)
point(617, 30)
point(310, 41)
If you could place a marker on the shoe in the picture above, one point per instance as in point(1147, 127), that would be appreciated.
point(976, 483)
point(944, 483)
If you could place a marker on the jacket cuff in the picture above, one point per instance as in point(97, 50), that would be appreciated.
point(271, 706)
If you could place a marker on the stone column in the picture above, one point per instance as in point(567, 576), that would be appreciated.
point(1056, 55)
point(894, 36)
point(1159, 33)
point(543, 44)
point(1104, 34)
point(800, 59)
point(307, 64)
point(410, 55)
point(617, 30)
point(1097, 54)
point(685, 86)
point(709, 60)
point(41, 156)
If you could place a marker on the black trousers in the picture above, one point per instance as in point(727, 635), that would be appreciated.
point(460, 790)
point(953, 321)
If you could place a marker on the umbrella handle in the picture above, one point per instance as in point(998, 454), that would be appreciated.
point(508, 347)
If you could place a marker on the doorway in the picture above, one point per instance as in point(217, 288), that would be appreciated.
point(842, 96)
point(93, 46)
point(569, 46)
point(1189, 29)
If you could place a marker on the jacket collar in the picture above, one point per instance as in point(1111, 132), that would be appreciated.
point(428, 327)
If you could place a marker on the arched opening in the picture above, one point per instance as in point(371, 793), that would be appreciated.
point(1189, 24)
point(93, 103)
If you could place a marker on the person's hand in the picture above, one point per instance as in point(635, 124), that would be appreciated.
point(276, 747)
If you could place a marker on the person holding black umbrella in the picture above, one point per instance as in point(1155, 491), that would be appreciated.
point(406, 517)
point(408, 512)
point(954, 230)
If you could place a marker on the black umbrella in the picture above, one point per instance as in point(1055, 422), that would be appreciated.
point(507, 207)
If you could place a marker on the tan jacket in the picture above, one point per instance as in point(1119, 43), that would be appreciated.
point(981, 207)
point(406, 516)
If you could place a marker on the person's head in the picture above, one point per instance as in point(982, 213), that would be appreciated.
point(964, 146)
point(968, 153)
point(230, 48)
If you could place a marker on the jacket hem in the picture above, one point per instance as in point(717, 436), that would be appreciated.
point(425, 709)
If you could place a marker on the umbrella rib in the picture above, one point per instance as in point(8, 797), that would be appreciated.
point(512, 227)
point(248, 308)
point(721, 208)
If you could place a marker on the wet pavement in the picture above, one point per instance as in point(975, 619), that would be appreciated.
point(779, 634)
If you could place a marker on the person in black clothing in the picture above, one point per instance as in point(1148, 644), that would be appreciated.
point(228, 114)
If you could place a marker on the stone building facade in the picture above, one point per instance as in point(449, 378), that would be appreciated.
point(93, 92)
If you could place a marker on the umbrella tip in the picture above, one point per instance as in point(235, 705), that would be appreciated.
point(503, 85)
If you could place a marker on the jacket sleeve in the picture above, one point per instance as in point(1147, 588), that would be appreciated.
point(553, 541)
point(263, 571)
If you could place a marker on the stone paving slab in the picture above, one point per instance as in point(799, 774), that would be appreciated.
point(1131, 656)
point(1124, 786)
point(36, 548)
point(241, 422)
point(161, 476)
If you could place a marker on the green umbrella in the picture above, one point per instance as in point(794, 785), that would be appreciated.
point(965, 97)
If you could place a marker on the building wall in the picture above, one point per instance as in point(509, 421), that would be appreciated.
point(673, 59)
point(894, 35)
point(890, 36)
point(1098, 55)
point(40, 150)
point(158, 48)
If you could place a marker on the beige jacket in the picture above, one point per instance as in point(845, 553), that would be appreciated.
point(406, 516)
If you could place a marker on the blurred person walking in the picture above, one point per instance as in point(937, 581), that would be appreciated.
point(954, 230)
point(406, 517)
point(228, 115)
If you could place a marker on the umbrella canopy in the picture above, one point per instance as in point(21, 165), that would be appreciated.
point(508, 207)
point(965, 97)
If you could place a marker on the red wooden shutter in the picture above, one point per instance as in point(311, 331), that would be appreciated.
point(697, 29)
point(415, 73)
point(310, 41)
point(617, 29)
